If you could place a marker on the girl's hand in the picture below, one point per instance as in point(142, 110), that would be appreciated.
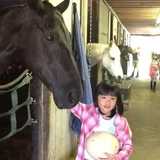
point(107, 157)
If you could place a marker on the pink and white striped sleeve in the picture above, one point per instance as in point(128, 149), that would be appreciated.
point(77, 110)
point(124, 134)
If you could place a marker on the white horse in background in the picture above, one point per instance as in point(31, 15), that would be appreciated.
point(108, 56)
point(111, 61)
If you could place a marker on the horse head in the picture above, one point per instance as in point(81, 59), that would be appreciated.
point(111, 60)
point(33, 34)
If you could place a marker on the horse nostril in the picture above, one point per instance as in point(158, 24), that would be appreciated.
point(73, 96)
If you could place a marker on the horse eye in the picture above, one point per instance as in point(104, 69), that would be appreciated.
point(112, 58)
point(50, 36)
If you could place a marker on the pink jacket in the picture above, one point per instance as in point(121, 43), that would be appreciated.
point(89, 117)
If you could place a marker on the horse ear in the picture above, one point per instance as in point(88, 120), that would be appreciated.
point(36, 4)
point(63, 6)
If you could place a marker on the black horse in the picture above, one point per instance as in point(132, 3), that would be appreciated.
point(33, 35)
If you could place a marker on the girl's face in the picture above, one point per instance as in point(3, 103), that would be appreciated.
point(106, 103)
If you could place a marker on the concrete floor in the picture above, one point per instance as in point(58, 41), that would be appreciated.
point(144, 118)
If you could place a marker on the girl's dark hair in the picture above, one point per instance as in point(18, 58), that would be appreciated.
point(105, 89)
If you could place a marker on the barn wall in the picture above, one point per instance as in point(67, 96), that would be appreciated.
point(103, 32)
point(103, 36)
point(61, 139)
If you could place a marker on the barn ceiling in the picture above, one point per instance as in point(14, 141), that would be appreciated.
point(138, 16)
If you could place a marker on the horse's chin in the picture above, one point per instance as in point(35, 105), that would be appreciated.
point(68, 97)
point(67, 102)
point(65, 105)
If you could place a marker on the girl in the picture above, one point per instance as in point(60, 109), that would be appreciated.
point(104, 115)
point(154, 70)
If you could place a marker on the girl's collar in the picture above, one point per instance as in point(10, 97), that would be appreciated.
point(103, 115)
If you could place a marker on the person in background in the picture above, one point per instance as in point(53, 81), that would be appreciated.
point(153, 72)
point(135, 55)
point(106, 114)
